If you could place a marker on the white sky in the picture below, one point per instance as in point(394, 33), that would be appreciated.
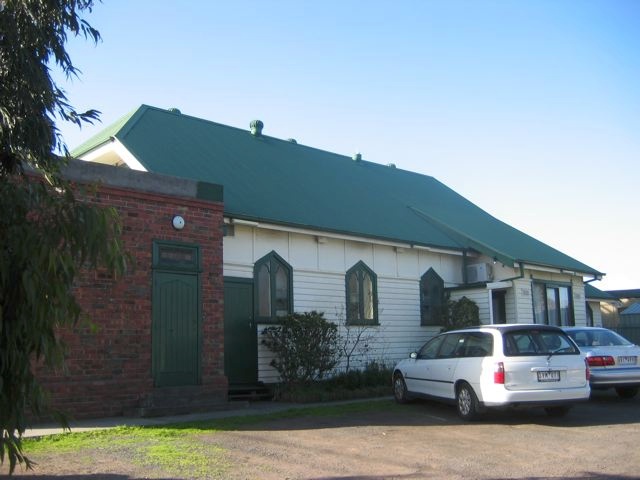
point(530, 109)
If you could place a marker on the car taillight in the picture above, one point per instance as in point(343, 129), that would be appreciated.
point(587, 372)
point(601, 361)
point(498, 373)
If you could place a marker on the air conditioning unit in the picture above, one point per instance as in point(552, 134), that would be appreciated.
point(479, 272)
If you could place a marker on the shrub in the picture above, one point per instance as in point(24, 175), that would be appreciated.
point(305, 346)
point(373, 381)
point(461, 313)
point(374, 374)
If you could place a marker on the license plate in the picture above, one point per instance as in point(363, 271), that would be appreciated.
point(627, 360)
point(549, 376)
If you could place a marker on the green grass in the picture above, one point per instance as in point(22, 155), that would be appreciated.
point(171, 451)
point(185, 455)
point(178, 448)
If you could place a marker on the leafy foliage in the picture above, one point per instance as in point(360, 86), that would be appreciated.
point(374, 374)
point(305, 346)
point(46, 234)
point(372, 381)
point(33, 37)
point(460, 313)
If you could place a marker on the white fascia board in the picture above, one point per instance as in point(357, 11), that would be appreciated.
point(128, 158)
point(556, 270)
point(439, 250)
point(539, 268)
point(336, 236)
point(95, 154)
point(114, 147)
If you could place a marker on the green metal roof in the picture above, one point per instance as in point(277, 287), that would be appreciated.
point(593, 293)
point(272, 180)
point(633, 309)
point(632, 293)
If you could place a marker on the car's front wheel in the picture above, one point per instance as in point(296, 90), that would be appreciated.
point(627, 392)
point(467, 402)
point(400, 389)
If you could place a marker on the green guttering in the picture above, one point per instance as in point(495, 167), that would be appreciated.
point(517, 277)
point(597, 276)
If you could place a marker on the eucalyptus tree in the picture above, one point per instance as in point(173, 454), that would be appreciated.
point(47, 234)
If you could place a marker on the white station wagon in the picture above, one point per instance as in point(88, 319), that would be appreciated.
point(512, 365)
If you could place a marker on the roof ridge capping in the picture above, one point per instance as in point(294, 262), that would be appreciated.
point(122, 126)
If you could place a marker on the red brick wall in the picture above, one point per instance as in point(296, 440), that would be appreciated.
point(108, 366)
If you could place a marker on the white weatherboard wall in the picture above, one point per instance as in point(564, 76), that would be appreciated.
point(319, 266)
point(319, 269)
point(524, 302)
point(597, 314)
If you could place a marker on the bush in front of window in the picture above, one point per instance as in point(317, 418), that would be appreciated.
point(305, 346)
point(459, 314)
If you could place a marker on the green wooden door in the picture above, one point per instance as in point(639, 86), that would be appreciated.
point(240, 333)
point(176, 329)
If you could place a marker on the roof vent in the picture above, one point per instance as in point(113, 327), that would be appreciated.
point(175, 110)
point(391, 165)
point(291, 140)
point(256, 127)
point(357, 156)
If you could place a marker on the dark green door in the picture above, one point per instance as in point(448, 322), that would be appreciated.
point(240, 333)
point(176, 329)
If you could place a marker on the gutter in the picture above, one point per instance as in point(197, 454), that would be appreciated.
point(595, 277)
point(516, 277)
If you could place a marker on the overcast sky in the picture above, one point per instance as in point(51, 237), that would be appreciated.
point(530, 109)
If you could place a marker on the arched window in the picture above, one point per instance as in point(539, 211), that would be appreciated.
point(362, 295)
point(431, 298)
point(273, 288)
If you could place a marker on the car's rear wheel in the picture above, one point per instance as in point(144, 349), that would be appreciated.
point(557, 411)
point(400, 389)
point(467, 402)
point(627, 392)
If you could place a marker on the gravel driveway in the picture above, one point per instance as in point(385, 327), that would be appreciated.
point(599, 439)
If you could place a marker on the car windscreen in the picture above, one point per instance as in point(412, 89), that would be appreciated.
point(530, 342)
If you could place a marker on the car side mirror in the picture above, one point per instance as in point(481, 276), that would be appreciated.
point(414, 355)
